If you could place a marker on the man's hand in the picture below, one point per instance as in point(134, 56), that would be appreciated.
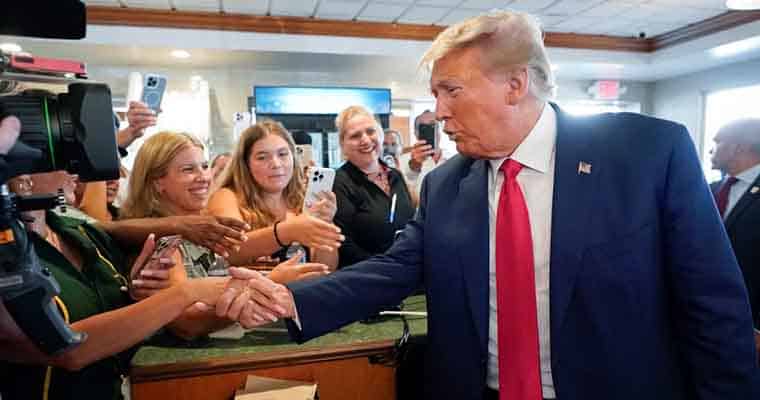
point(10, 127)
point(420, 152)
point(139, 117)
point(149, 275)
point(220, 234)
point(254, 300)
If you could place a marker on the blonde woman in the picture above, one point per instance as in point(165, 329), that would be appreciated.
point(373, 199)
point(171, 177)
point(93, 276)
point(263, 186)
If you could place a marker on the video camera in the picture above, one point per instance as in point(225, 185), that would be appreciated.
point(71, 131)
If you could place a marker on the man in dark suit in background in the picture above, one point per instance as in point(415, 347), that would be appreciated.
point(737, 156)
point(567, 258)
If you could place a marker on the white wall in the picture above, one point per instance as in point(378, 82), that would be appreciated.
point(230, 87)
point(681, 99)
point(636, 92)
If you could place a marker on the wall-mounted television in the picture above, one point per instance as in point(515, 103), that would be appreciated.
point(319, 100)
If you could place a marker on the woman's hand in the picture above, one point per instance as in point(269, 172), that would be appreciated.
point(149, 274)
point(206, 290)
point(291, 270)
point(325, 207)
point(223, 235)
point(311, 232)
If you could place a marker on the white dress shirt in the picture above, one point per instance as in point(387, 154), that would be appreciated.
point(536, 180)
point(745, 180)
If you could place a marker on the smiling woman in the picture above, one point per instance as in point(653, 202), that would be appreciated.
point(263, 186)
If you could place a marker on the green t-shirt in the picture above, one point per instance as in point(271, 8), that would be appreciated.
point(95, 289)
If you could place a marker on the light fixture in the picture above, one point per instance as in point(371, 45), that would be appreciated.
point(743, 4)
point(10, 47)
point(180, 54)
point(554, 67)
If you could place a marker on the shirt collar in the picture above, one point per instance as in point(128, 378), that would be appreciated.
point(535, 151)
point(749, 175)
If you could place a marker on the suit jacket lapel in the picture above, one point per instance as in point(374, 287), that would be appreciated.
point(573, 191)
point(747, 198)
point(471, 206)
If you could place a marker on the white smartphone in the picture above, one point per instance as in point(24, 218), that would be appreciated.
point(154, 87)
point(240, 122)
point(304, 154)
point(318, 180)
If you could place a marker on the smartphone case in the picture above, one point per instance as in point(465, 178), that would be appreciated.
point(318, 180)
point(154, 87)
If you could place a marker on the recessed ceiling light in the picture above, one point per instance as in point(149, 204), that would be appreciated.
point(743, 4)
point(10, 47)
point(554, 67)
point(180, 54)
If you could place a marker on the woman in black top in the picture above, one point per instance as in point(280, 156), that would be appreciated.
point(373, 199)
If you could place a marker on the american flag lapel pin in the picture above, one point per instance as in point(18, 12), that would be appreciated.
point(754, 189)
point(584, 168)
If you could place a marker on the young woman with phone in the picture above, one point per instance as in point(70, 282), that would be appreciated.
point(171, 177)
point(264, 187)
point(373, 199)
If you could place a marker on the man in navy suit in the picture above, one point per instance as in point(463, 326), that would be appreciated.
point(631, 289)
point(737, 155)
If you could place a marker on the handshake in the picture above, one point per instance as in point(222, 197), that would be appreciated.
point(246, 296)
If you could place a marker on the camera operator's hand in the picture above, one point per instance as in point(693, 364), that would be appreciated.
point(139, 117)
point(9, 130)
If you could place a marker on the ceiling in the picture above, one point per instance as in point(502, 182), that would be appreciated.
point(627, 18)
point(394, 60)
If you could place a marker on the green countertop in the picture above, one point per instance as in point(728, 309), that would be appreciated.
point(164, 349)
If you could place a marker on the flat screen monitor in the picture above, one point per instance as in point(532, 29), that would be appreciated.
point(319, 100)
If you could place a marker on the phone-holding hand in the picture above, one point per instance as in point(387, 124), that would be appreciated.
point(325, 206)
point(139, 117)
point(420, 152)
point(149, 274)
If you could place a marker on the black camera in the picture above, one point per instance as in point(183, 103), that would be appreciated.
point(72, 131)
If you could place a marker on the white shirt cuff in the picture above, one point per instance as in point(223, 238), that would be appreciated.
point(295, 318)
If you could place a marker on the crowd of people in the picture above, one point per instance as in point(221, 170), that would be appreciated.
point(556, 264)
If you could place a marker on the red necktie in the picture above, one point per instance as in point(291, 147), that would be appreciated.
point(519, 369)
point(721, 199)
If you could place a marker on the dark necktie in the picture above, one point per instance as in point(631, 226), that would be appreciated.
point(519, 364)
point(721, 199)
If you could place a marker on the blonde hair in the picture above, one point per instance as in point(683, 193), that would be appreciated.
point(349, 113)
point(507, 38)
point(152, 163)
point(238, 177)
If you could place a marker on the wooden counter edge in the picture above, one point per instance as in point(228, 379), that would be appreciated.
point(273, 359)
